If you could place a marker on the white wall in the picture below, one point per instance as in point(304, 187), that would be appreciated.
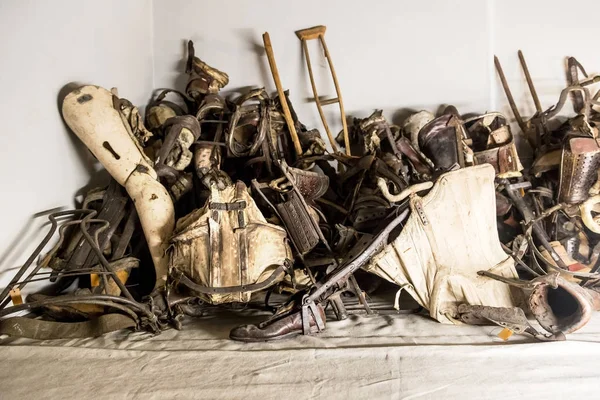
point(43, 46)
point(547, 32)
point(389, 54)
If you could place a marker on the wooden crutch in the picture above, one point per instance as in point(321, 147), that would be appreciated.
point(282, 99)
point(318, 32)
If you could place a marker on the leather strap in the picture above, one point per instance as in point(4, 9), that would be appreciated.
point(180, 277)
point(44, 330)
point(233, 206)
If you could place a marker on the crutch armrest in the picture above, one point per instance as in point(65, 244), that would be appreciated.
point(311, 33)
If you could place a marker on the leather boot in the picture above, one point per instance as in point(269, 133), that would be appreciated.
point(283, 327)
point(438, 141)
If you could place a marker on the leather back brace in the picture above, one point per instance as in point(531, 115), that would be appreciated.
point(450, 235)
point(228, 244)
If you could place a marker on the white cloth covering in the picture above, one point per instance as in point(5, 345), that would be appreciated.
point(388, 356)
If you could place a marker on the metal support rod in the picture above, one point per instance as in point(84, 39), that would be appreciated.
point(532, 90)
point(54, 224)
point(537, 228)
point(509, 96)
point(93, 244)
point(360, 294)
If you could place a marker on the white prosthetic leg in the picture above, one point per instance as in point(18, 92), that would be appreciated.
point(90, 112)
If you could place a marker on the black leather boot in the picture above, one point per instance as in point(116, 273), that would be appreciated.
point(283, 327)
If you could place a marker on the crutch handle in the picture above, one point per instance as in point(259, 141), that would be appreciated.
point(311, 33)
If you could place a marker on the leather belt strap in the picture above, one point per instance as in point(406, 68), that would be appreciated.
point(180, 277)
point(242, 237)
point(234, 206)
point(44, 330)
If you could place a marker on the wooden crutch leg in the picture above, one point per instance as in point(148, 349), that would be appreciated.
point(284, 105)
point(316, 95)
point(318, 32)
point(339, 95)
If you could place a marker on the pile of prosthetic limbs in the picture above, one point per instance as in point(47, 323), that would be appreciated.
point(216, 200)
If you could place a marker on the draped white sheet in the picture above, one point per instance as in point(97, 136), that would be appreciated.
point(389, 356)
